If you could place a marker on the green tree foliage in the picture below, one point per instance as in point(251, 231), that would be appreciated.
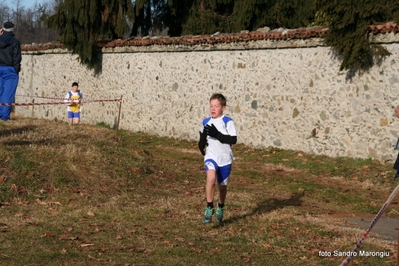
point(289, 14)
point(177, 13)
point(142, 22)
point(229, 16)
point(82, 23)
point(149, 17)
point(208, 17)
point(320, 19)
point(347, 35)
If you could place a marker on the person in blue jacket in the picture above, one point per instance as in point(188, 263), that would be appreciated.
point(10, 66)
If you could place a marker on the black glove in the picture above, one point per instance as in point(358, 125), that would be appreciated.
point(202, 143)
point(212, 131)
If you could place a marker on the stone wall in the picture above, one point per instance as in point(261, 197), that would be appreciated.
point(289, 95)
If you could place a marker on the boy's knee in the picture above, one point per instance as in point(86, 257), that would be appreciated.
point(222, 187)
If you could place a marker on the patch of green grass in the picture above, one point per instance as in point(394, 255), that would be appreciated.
point(103, 124)
point(124, 198)
point(317, 165)
point(21, 163)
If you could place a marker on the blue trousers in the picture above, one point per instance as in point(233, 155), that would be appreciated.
point(8, 86)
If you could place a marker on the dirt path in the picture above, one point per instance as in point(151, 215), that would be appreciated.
point(386, 227)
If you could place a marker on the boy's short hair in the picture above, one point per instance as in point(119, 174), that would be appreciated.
point(220, 97)
point(75, 84)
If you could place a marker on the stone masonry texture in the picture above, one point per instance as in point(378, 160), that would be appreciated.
point(284, 95)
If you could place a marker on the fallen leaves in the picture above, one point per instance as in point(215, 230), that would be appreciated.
point(47, 234)
point(40, 202)
point(158, 204)
point(19, 190)
point(3, 179)
point(65, 237)
point(86, 245)
point(3, 227)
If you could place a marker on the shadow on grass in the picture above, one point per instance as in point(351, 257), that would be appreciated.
point(15, 131)
point(71, 135)
point(267, 206)
point(19, 131)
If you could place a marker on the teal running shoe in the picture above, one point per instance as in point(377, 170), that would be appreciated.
point(208, 215)
point(219, 213)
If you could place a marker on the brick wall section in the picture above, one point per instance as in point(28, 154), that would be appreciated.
point(286, 93)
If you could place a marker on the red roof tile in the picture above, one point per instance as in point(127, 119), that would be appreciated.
point(244, 36)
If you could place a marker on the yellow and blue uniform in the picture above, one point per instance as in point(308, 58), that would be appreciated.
point(74, 108)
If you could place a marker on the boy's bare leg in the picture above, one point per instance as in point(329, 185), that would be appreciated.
point(222, 193)
point(70, 120)
point(210, 185)
point(220, 204)
point(76, 120)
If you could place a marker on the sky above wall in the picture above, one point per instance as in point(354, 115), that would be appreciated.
point(24, 3)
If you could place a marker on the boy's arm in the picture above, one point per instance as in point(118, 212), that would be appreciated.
point(202, 143)
point(67, 99)
point(212, 131)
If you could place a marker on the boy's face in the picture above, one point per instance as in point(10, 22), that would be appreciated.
point(75, 88)
point(216, 109)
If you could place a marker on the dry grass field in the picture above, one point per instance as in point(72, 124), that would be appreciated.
point(89, 195)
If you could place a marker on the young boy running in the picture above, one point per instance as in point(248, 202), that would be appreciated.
point(218, 132)
point(74, 98)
